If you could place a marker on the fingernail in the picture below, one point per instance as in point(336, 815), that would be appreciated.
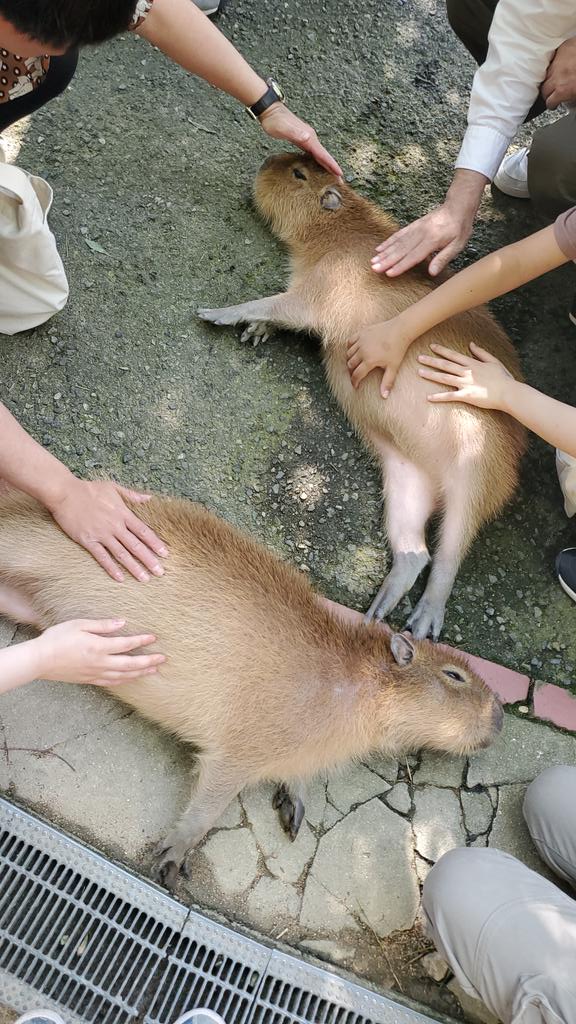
point(118, 577)
point(385, 394)
point(143, 577)
point(118, 622)
point(163, 552)
point(157, 570)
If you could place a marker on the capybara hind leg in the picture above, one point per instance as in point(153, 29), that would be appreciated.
point(410, 497)
point(288, 800)
point(217, 785)
point(14, 604)
point(457, 530)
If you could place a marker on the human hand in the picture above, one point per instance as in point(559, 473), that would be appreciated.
point(382, 345)
point(93, 513)
point(444, 232)
point(280, 123)
point(80, 651)
point(482, 381)
point(559, 85)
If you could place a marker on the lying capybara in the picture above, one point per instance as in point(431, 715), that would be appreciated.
point(260, 676)
point(454, 460)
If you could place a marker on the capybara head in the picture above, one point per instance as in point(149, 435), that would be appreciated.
point(439, 701)
point(298, 197)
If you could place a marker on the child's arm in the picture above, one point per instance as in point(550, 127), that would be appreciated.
point(386, 344)
point(78, 652)
point(93, 513)
point(483, 381)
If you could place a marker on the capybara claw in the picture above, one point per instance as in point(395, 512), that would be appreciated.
point(290, 811)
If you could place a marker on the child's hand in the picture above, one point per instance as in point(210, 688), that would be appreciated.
point(81, 651)
point(380, 345)
point(481, 381)
point(93, 513)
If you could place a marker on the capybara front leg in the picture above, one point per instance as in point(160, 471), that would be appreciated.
point(288, 800)
point(217, 785)
point(410, 497)
point(263, 316)
point(15, 605)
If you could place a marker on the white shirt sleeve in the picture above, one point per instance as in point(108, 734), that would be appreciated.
point(523, 38)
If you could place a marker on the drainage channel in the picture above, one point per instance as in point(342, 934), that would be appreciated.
point(82, 936)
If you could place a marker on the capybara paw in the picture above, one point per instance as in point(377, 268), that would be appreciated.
point(256, 333)
point(290, 811)
point(167, 866)
point(226, 316)
point(426, 620)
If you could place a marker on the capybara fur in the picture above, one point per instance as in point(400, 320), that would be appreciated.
point(261, 677)
point(451, 459)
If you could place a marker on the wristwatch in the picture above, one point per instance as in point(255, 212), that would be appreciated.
point(272, 95)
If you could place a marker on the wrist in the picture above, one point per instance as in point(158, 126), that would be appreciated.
point(466, 191)
point(511, 392)
point(52, 491)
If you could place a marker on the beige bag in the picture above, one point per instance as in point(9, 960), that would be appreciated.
point(33, 283)
point(566, 467)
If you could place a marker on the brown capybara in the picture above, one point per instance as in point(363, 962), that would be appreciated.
point(260, 676)
point(454, 460)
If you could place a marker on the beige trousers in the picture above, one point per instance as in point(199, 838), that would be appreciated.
point(509, 934)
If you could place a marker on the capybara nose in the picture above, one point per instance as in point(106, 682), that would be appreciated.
point(497, 716)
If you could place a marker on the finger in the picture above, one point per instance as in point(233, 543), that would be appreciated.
point(137, 539)
point(321, 155)
point(444, 364)
point(388, 379)
point(138, 496)
point(360, 373)
point(122, 677)
point(100, 625)
point(554, 99)
point(442, 258)
point(124, 644)
point(134, 662)
point(100, 554)
point(446, 396)
point(147, 536)
point(441, 378)
point(353, 347)
point(451, 353)
point(354, 362)
point(388, 242)
point(482, 353)
point(124, 557)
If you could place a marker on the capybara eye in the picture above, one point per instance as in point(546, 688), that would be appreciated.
point(452, 674)
point(298, 174)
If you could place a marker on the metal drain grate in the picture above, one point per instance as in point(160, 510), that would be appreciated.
point(85, 937)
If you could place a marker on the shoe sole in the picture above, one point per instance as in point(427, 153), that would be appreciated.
point(567, 589)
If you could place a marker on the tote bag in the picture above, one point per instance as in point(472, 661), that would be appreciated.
point(33, 283)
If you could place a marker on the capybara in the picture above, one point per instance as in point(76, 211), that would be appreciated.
point(450, 459)
point(261, 677)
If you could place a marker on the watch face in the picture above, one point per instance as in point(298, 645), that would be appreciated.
point(274, 85)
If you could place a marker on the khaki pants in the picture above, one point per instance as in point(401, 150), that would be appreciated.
point(509, 934)
point(552, 159)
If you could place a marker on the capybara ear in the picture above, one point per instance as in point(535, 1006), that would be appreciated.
point(330, 198)
point(402, 649)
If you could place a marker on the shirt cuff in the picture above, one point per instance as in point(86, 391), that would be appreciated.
point(482, 150)
point(565, 232)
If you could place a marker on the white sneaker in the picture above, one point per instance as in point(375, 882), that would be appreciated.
point(512, 175)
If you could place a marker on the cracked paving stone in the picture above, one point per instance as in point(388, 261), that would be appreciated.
point(233, 859)
point(284, 859)
point(273, 902)
point(440, 770)
point(510, 832)
point(386, 767)
point(478, 812)
point(399, 798)
point(327, 949)
point(520, 753)
point(315, 801)
point(232, 816)
point(354, 784)
point(437, 822)
point(364, 868)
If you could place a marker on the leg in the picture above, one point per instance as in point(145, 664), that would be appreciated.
point(218, 782)
point(508, 934)
point(288, 800)
point(550, 813)
point(552, 167)
point(284, 310)
point(60, 74)
point(410, 498)
point(471, 21)
point(457, 529)
point(16, 606)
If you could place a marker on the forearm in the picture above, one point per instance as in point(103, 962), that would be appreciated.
point(27, 465)
point(553, 421)
point(186, 35)
point(18, 665)
point(494, 275)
